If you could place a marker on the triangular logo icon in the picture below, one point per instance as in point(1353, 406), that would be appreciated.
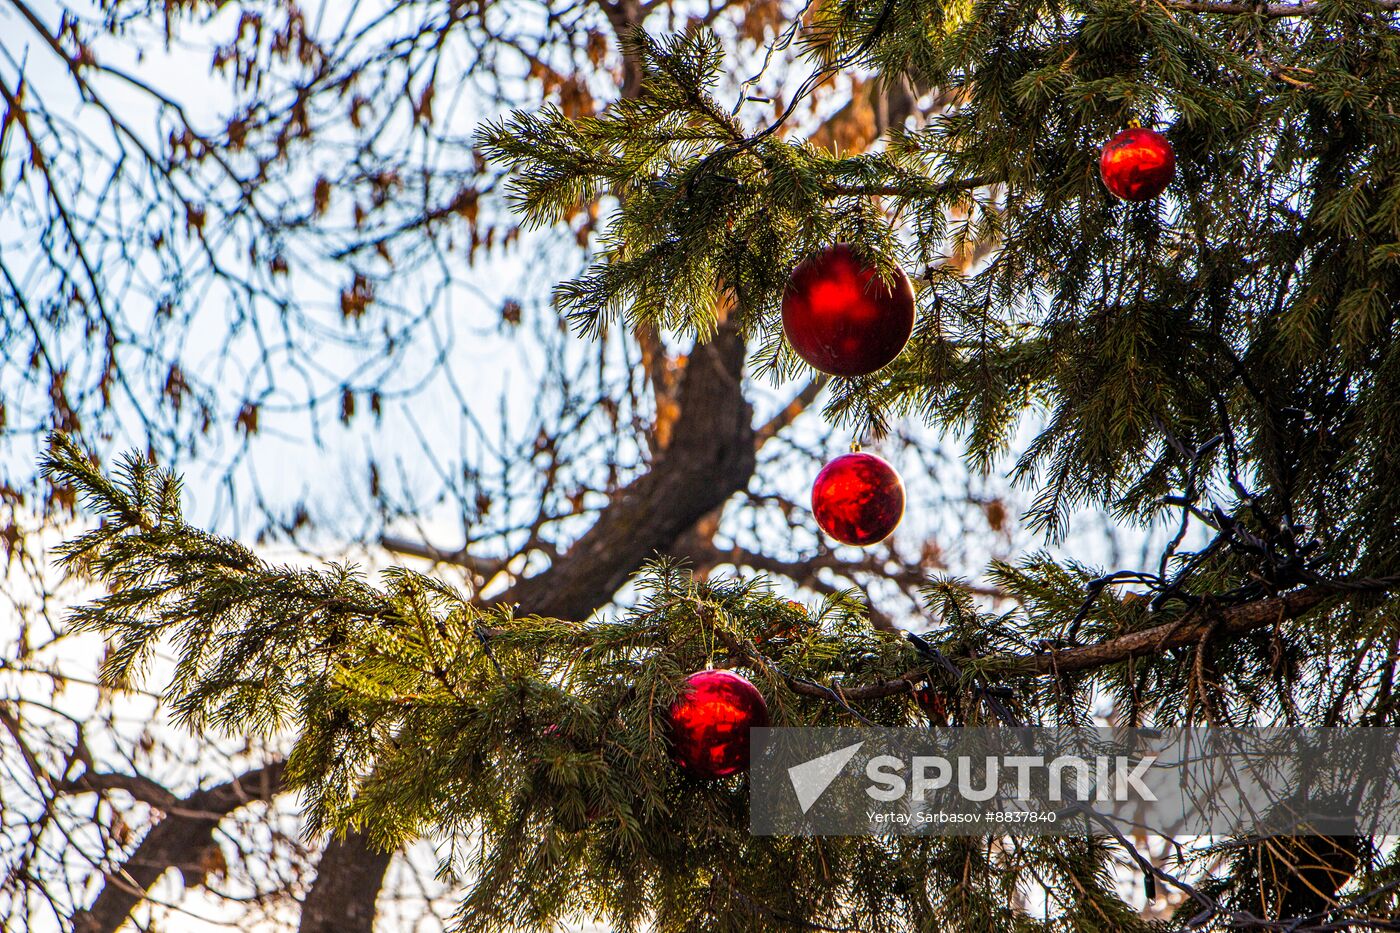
point(811, 778)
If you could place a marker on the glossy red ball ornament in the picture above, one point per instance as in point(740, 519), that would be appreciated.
point(933, 704)
point(842, 318)
point(1137, 164)
point(710, 723)
point(858, 499)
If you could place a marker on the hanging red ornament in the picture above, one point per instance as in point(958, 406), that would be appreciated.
point(1137, 164)
point(858, 499)
point(933, 704)
point(841, 317)
point(710, 723)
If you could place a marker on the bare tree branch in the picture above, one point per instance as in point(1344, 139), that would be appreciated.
point(179, 840)
point(1190, 629)
point(139, 788)
point(710, 458)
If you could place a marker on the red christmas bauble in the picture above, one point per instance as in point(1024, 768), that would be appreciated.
point(1137, 164)
point(841, 317)
point(858, 499)
point(933, 703)
point(710, 723)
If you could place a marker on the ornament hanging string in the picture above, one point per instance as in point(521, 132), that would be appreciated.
point(781, 44)
point(814, 80)
point(710, 634)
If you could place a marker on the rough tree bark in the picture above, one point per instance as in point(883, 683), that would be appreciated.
point(348, 878)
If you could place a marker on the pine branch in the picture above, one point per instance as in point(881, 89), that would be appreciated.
point(921, 188)
point(1271, 10)
point(1189, 629)
point(1223, 624)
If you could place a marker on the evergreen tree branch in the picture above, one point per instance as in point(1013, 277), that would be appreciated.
point(1227, 623)
point(382, 688)
point(1271, 10)
point(911, 190)
point(1189, 629)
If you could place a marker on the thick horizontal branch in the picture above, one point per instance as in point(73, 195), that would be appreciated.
point(908, 191)
point(1189, 629)
point(1272, 10)
point(137, 787)
point(421, 549)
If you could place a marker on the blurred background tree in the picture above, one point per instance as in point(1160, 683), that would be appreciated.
point(260, 241)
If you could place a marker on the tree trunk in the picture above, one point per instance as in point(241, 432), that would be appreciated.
point(348, 878)
point(711, 457)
